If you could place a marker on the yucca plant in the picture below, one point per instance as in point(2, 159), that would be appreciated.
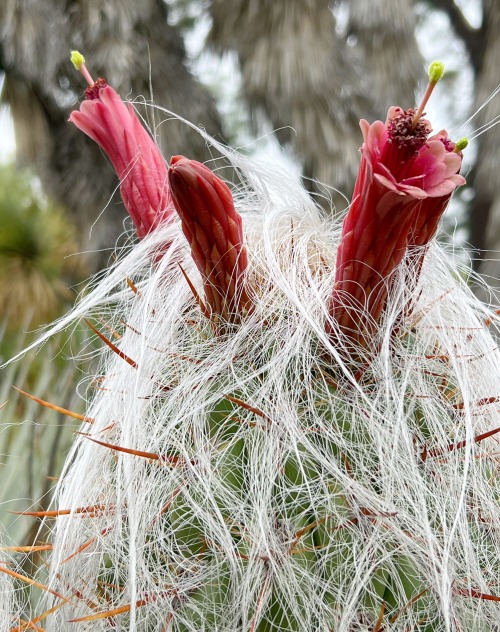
point(295, 427)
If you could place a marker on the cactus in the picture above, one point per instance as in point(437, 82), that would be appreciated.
point(294, 423)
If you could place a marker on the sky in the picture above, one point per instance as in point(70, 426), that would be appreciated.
point(7, 141)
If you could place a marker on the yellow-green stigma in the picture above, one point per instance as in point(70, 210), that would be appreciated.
point(461, 144)
point(77, 59)
point(436, 71)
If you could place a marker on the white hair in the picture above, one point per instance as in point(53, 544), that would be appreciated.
point(317, 480)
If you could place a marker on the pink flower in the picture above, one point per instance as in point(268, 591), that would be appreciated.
point(136, 158)
point(404, 183)
point(214, 231)
point(432, 208)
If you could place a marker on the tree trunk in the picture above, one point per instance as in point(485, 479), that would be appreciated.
point(485, 210)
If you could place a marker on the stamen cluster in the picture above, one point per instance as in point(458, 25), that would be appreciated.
point(408, 137)
point(93, 92)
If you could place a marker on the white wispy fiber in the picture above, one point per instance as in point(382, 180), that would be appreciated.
point(323, 495)
point(10, 608)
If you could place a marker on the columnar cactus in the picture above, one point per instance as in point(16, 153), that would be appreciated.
point(294, 429)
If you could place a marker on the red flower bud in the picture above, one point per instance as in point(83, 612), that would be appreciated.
point(213, 229)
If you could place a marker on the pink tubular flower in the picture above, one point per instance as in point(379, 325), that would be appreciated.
point(213, 229)
point(136, 158)
point(404, 183)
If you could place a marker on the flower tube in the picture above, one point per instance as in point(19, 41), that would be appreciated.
point(405, 180)
point(135, 157)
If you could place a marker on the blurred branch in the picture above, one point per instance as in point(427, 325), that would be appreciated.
point(485, 208)
point(473, 38)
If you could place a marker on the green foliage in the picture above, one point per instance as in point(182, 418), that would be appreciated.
point(36, 241)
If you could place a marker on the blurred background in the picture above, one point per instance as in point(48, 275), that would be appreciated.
point(287, 80)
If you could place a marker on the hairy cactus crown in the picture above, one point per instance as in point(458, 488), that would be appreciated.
point(294, 427)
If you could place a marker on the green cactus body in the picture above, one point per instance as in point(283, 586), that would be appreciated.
point(281, 502)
